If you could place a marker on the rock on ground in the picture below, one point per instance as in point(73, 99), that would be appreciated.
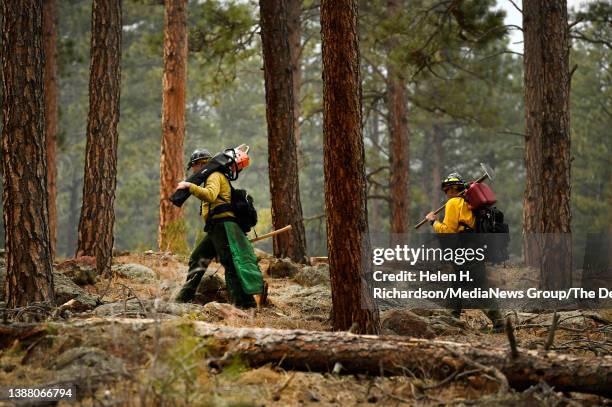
point(406, 323)
point(313, 275)
point(148, 308)
point(81, 270)
point(219, 311)
point(211, 288)
point(281, 268)
point(136, 272)
point(66, 290)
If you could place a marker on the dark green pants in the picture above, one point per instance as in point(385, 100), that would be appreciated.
point(215, 244)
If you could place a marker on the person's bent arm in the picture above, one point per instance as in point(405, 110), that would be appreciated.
point(450, 224)
point(211, 189)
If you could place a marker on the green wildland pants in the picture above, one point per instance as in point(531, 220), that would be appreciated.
point(243, 278)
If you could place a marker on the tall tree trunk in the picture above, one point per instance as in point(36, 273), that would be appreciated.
point(375, 205)
point(282, 149)
point(294, 30)
point(26, 213)
point(51, 111)
point(73, 212)
point(547, 148)
point(348, 242)
point(97, 214)
point(436, 170)
point(399, 153)
point(172, 234)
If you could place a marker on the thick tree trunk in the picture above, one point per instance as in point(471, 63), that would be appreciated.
point(172, 234)
point(51, 111)
point(97, 214)
point(294, 30)
point(399, 151)
point(348, 242)
point(73, 212)
point(436, 164)
point(24, 159)
point(282, 148)
point(547, 147)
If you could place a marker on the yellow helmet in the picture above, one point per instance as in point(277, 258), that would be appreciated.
point(454, 179)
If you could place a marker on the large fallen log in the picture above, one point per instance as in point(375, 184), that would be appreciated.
point(388, 355)
point(393, 355)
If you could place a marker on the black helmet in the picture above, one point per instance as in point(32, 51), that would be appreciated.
point(454, 179)
point(197, 155)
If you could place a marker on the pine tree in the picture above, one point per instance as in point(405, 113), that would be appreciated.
point(26, 216)
point(345, 186)
point(172, 233)
point(282, 148)
point(100, 180)
point(546, 213)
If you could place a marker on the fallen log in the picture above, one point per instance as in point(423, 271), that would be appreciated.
point(389, 355)
point(393, 355)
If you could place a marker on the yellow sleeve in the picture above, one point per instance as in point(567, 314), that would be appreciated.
point(450, 224)
point(211, 189)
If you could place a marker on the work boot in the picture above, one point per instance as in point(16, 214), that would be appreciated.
point(497, 319)
point(262, 299)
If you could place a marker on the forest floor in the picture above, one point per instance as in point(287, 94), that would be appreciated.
point(138, 350)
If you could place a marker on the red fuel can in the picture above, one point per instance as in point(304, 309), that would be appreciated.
point(479, 195)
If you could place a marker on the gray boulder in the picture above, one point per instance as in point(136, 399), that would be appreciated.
point(136, 272)
point(81, 270)
point(406, 323)
point(66, 290)
point(281, 268)
point(310, 276)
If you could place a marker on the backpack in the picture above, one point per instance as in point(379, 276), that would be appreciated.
point(490, 220)
point(241, 204)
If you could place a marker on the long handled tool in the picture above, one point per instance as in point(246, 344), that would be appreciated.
point(262, 299)
point(488, 173)
point(273, 233)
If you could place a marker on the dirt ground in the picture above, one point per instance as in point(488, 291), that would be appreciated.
point(115, 362)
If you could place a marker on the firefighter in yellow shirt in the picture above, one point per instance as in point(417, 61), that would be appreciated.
point(459, 218)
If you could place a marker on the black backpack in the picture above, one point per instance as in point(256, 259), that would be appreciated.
point(490, 220)
point(241, 203)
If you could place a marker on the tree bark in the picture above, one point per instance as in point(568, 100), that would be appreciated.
point(97, 214)
point(547, 148)
point(282, 148)
point(348, 242)
point(399, 143)
point(394, 355)
point(51, 112)
point(294, 30)
point(24, 159)
point(172, 234)
point(436, 170)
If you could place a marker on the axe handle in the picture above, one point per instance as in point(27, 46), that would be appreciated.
point(273, 233)
point(424, 221)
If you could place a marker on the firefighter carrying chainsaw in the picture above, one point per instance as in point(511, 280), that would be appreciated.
point(228, 214)
point(469, 210)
